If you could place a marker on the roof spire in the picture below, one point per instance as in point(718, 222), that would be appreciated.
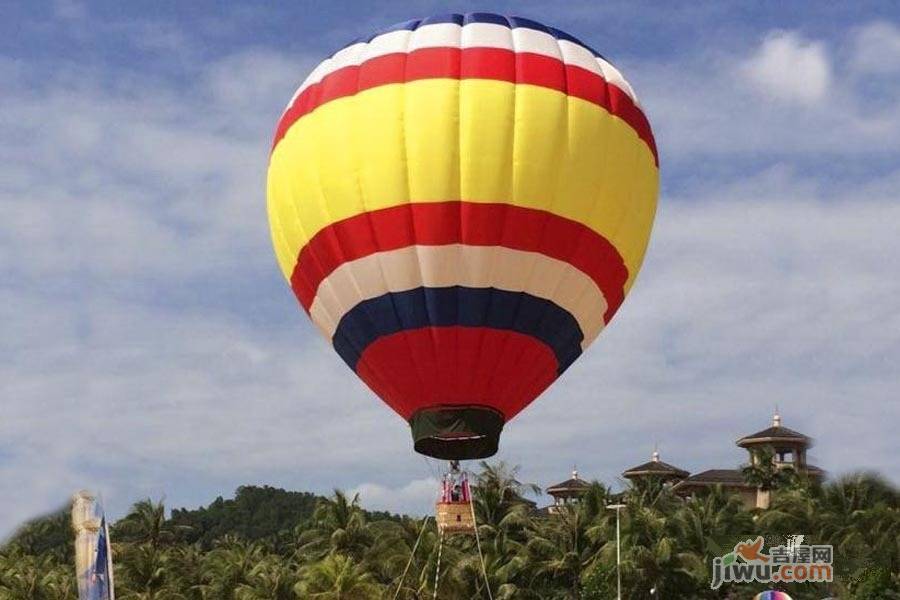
point(655, 456)
point(574, 472)
point(776, 419)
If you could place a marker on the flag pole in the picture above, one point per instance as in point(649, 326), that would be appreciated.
point(111, 586)
point(109, 559)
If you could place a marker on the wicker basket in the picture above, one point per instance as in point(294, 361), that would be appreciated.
point(455, 517)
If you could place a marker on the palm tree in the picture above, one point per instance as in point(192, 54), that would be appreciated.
point(337, 577)
point(710, 521)
point(650, 492)
point(146, 523)
point(561, 547)
point(271, 579)
point(419, 581)
point(185, 571)
point(465, 576)
point(882, 526)
point(861, 519)
point(706, 526)
point(230, 566)
point(142, 571)
point(338, 525)
point(499, 497)
point(648, 547)
point(502, 515)
point(766, 475)
point(392, 549)
point(47, 535)
point(28, 577)
point(793, 510)
point(653, 556)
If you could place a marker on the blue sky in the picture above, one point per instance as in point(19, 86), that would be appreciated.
point(151, 348)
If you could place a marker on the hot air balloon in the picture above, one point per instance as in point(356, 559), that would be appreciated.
point(772, 595)
point(461, 204)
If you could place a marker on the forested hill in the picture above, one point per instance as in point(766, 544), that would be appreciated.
point(255, 513)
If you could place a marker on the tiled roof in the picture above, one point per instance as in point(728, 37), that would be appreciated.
point(774, 433)
point(713, 477)
point(655, 467)
point(575, 484)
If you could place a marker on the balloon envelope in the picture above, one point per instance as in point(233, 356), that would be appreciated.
point(461, 204)
point(772, 595)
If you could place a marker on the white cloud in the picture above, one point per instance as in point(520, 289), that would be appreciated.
point(246, 81)
point(876, 48)
point(134, 230)
point(769, 290)
point(414, 498)
point(789, 68)
point(133, 178)
point(719, 104)
point(133, 400)
point(150, 346)
point(69, 10)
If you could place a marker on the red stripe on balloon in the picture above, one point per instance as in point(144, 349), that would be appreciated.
point(440, 366)
point(470, 223)
point(470, 63)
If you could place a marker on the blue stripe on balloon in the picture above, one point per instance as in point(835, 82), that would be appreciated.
point(490, 18)
point(468, 307)
point(477, 17)
point(772, 595)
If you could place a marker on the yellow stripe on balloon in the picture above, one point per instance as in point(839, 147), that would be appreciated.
point(476, 140)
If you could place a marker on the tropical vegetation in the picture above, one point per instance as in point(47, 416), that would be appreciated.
point(276, 545)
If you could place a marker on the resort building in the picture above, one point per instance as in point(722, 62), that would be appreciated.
point(730, 479)
point(789, 449)
point(566, 492)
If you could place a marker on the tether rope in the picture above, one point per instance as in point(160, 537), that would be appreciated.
point(412, 555)
point(480, 554)
point(437, 571)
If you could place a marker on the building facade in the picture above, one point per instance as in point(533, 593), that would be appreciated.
point(788, 449)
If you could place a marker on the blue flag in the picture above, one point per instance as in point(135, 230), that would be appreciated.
point(99, 584)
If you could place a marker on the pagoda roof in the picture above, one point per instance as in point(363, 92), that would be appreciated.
point(575, 484)
point(657, 468)
point(774, 434)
